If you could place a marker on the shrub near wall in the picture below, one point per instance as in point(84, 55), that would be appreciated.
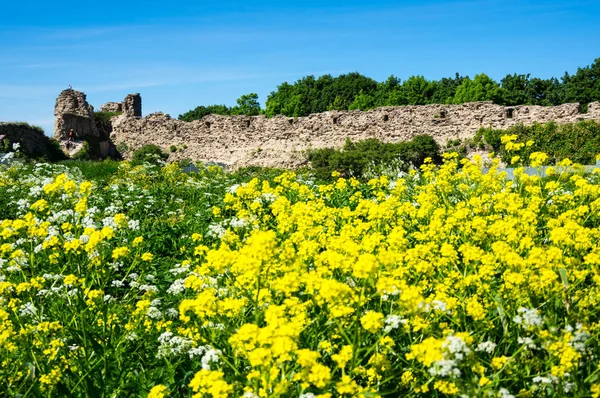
point(365, 159)
point(579, 142)
point(149, 153)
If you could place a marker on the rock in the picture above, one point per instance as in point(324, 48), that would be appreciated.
point(112, 107)
point(73, 112)
point(132, 105)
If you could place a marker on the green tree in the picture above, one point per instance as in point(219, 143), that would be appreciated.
point(247, 105)
point(445, 89)
point(363, 102)
point(516, 89)
point(417, 90)
point(583, 86)
point(545, 92)
point(481, 88)
point(201, 111)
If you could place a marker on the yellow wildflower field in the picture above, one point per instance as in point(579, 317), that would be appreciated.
point(446, 281)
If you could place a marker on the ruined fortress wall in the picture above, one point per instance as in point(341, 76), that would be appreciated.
point(34, 141)
point(280, 141)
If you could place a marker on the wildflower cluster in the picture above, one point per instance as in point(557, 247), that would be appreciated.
point(448, 281)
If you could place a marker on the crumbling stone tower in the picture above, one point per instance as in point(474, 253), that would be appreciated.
point(132, 105)
point(72, 111)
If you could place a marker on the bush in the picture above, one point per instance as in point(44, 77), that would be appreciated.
point(83, 153)
point(149, 153)
point(102, 120)
point(579, 142)
point(371, 157)
point(122, 147)
point(54, 152)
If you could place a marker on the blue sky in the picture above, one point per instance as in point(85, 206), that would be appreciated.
point(181, 54)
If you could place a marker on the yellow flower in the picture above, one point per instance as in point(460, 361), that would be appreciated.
point(426, 352)
point(81, 205)
point(41, 205)
point(446, 387)
point(211, 383)
point(498, 362)
point(372, 321)
point(120, 219)
point(137, 241)
point(158, 391)
point(343, 357)
point(319, 375)
point(119, 252)
point(364, 266)
point(538, 158)
point(147, 257)
point(346, 385)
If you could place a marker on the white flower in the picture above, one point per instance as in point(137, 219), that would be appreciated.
point(148, 288)
point(580, 337)
point(456, 346)
point(108, 298)
point(504, 393)
point(109, 222)
point(438, 305)
point(486, 346)
point(527, 342)
point(179, 269)
point(528, 317)
point(154, 313)
point(238, 222)
point(176, 287)
point(172, 345)
point(196, 351)
point(117, 283)
point(216, 231)
point(232, 189)
point(268, 197)
point(568, 386)
point(211, 356)
point(392, 322)
point(542, 380)
point(172, 313)
point(27, 309)
point(444, 367)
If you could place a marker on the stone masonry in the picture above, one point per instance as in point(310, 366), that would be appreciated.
point(72, 111)
point(131, 106)
point(281, 141)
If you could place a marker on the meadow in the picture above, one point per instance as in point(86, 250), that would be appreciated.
point(121, 280)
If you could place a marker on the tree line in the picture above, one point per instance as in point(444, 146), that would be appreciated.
point(354, 91)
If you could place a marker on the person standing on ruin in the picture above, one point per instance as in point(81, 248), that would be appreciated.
point(70, 135)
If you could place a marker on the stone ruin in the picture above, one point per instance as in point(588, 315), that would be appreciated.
point(73, 113)
point(131, 106)
point(282, 141)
